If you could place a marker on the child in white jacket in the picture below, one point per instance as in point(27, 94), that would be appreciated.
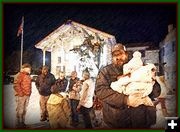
point(137, 79)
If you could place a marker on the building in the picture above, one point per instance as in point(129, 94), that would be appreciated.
point(74, 46)
point(168, 56)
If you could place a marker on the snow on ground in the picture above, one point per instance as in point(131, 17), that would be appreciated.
point(33, 110)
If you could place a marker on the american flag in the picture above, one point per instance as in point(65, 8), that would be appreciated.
point(20, 29)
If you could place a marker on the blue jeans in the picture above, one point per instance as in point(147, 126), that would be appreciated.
point(75, 116)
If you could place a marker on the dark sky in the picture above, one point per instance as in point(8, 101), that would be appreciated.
point(129, 23)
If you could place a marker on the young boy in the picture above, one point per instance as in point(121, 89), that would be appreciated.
point(58, 109)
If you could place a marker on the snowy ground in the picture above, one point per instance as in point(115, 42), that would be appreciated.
point(33, 112)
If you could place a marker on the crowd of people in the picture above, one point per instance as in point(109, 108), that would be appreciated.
point(62, 100)
point(60, 103)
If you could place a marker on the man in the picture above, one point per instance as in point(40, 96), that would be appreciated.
point(22, 88)
point(62, 82)
point(86, 99)
point(43, 83)
point(74, 98)
point(119, 110)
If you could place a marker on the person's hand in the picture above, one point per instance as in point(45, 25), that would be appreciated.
point(147, 101)
point(78, 108)
point(120, 76)
point(124, 75)
point(136, 99)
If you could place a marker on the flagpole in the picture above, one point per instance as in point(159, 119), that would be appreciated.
point(22, 35)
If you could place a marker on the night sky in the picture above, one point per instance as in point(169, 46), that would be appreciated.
point(132, 23)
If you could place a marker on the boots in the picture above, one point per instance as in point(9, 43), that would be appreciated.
point(43, 118)
point(20, 123)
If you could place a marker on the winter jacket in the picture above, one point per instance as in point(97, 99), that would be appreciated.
point(116, 113)
point(44, 84)
point(59, 111)
point(22, 84)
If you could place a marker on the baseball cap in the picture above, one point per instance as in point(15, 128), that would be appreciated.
point(118, 47)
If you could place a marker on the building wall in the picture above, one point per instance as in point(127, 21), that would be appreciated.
point(64, 60)
point(56, 59)
point(148, 56)
point(168, 57)
point(65, 43)
point(152, 56)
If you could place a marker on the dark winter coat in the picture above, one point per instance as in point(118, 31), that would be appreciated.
point(116, 113)
point(44, 84)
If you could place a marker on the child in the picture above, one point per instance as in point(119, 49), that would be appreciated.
point(137, 79)
point(133, 64)
point(58, 109)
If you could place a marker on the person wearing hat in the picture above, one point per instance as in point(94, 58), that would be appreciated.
point(43, 83)
point(120, 110)
point(22, 89)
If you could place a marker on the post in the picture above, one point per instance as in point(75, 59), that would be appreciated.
point(22, 35)
point(44, 57)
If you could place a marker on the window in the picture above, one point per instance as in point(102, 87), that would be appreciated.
point(173, 46)
point(64, 68)
point(59, 60)
point(74, 68)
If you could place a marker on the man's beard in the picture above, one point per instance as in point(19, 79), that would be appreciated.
point(44, 75)
point(119, 63)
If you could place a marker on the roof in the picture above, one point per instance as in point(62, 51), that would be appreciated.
point(143, 45)
point(68, 31)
